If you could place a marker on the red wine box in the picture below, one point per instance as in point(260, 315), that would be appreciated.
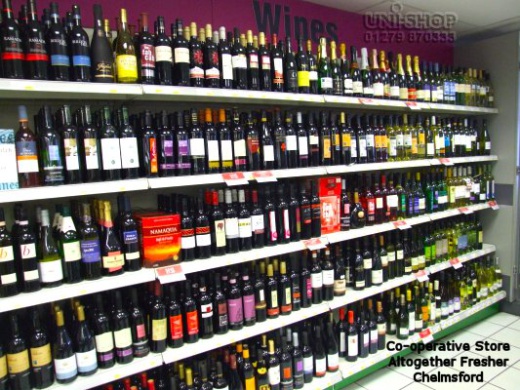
point(8, 169)
point(160, 238)
point(330, 198)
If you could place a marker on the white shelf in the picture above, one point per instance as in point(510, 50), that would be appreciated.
point(65, 291)
point(348, 369)
point(185, 181)
point(189, 350)
point(354, 296)
point(119, 371)
point(35, 89)
point(71, 190)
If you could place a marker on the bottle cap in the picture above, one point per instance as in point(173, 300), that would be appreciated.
point(22, 113)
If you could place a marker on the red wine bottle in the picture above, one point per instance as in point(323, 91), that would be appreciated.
point(197, 147)
point(58, 47)
point(245, 232)
point(315, 211)
point(50, 142)
point(146, 52)
point(271, 289)
point(225, 60)
point(70, 138)
point(42, 369)
point(122, 330)
point(163, 55)
point(8, 277)
point(191, 316)
point(36, 54)
point(248, 297)
point(181, 55)
point(128, 235)
point(158, 328)
point(196, 58)
point(25, 253)
point(103, 335)
point(239, 62)
point(282, 213)
point(174, 312)
point(203, 236)
point(165, 150)
point(254, 148)
point(271, 231)
point(89, 146)
point(290, 68)
point(17, 353)
point(11, 44)
point(128, 146)
point(148, 149)
point(206, 309)
point(182, 147)
point(277, 65)
point(110, 147)
point(140, 344)
point(111, 250)
point(79, 48)
point(211, 61)
point(280, 142)
point(89, 245)
point(235, 305)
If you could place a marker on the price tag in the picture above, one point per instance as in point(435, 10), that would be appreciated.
point(446, 161)
point(234, 179)
point(369, 102)
point(493, 204)
point(455, 263)
point(170, 273)
point(264, 176)
point(402, 225)
point(426, 336)
point(316, 243)
point(465, 210)
point(412, 106)
point(422, 276)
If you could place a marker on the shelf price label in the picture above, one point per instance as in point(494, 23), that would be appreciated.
point(455, 263)
point(446, 161)
point(170, 273)
point(402, 225)
point(493, 204)
point(368, 102)
point(264, 176)
point(426, 336)
point(234, 179)
point(413, 106)
point(465, 210)
point(316, 243)
point(422, 276)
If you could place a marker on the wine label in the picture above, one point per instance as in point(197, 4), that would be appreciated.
point(8, 279)
point(90, 251)
point(51, 271)
point(220, 234)
point(317, 280)
point(291, 142)
point(140, 331)
point(278, 70)
point(86, 361)
point(213, 151)
point(31, 275)
point(244, 228)
point(326, 82)
point(197, 148)
point(129, 152)
point(239, 61)
point(27, 157)
point(3, 367)
point(226, 148)
point(203, 237)
point(113, 260)
point(123, 338)
point(159, 329)
point(273, 373)
point(182, 55)
point(65, 368)
point(18, 362)
point(249, 307)
point(327, 277)
point(206, 310)
point(320, 366)
point(268, 153)
point(70, 147)
point(257, 224)
point(110, 153)
point(126, 66)
point(71, 251)
point(227, 66)
point(235, 311)
point(240, 148)
point(332, 361)
point(377, 276)
point(176, 332)
point(303, 146)
point(163, 54)
point(192, 323)
point(188, 239)
point(90, 146)
point(303, 77)
point(104, 342)
point(6, 254)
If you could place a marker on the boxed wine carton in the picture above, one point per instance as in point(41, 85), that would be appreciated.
point(329, 191)
point(8, 170)
point(160, 238)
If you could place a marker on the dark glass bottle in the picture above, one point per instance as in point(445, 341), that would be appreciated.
point(218, 232)
point(271, 289)
point(270, 220)
point(89, 246)
point(239, 62)
point(84, 345)
point(277, 65)
point(235, 305)
point(79, 48)
point(327, 271)
point(110, 147)
point(325, 140)
point(103, 335)
point(70, 248)
point(182, 145)
point(245, 232)
point(290, 68)
point(305, 215)
point(254, 151)
point(111, 251)
point(26, 152)
point(257, 222)
point(265, 63)
point(181, 55)
point(163, 55)
point(42, 369)
point(25, 253)
point(225, 60)
point(158, 321)
point(175, 319)
point(49, 142)
point(196, 58)
point(128, 236)
point(359, 269)
point(188, 240)
point(198, 153)
point(253, 72)
point(260, 298)
point(295, 221)
point(146, 52)
point(122, 330)
point(148, 146)
point(57, 47)
point(140, 343)
point(248, 299)
point(11, 44)
point(8, 280)
point(165, 145)
point(101, 54)
point(65, 366)
point(314, 141)
point(89, 146)
point(316, 280)
point(202, 232)
point(220, 316)
point(320, 357)
point(36, 55)
point(211, 60)
point(70, 138)
point(303, 142)
point(212, 143)
point(302, 68)
point(315, 211)
point(283, 219)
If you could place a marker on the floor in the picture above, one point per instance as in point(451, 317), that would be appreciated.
point(501, 327)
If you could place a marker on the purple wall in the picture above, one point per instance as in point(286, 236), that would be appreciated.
point(250, 14)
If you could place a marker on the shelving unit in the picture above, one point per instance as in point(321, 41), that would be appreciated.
point(31, 90)
point(142, 184)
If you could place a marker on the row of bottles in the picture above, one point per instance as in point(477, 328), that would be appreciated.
point(293, 356)
point(211, 58)
point(81, 243)
point(82, 147)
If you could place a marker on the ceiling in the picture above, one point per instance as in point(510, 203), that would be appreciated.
point(477, 19)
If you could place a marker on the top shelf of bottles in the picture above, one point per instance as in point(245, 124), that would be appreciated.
point(63, 90)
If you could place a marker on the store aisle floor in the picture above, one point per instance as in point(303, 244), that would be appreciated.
point(501, 327)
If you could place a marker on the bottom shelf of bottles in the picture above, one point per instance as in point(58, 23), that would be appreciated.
point(349, 369)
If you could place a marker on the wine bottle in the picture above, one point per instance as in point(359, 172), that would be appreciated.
point(125, 56)
point(282, 214)
point(235, 305)
point(290, 68)
point(26, 152)
point(163, 55)
point(26, 254)
point(196, 65)
point(175, 319)
point(49, 262)
point(335, 70)
point(245, 232)
point(203, 235)
point(122, 330)
point(340, 283)
point(273, 308)
point(49, 149)
point(277, 69)
point(11, 44)
point(265, 63)
point(320, 357)
point(89, 245)
point(140, 344)
point(70, 248)
point(128, 234)
point(220, 308)
point(42, 369)
point(79, 48)
point(332, 349)
point(146, 51)
point(253, 66)
point(324, 69)
point(57, 47)
point(348, 87)
point(273, 371)
point(103, 335)
point(239, 62)
point(158, 321)
point(17, 353)
point(110, 147)
point(8, 277)
point(327, 271)
point(84, 345)
point(182, 146)
point(260, 297)
point(197, 148)
point(181, 55)
point(403, 326)
point(36, 55)
point(191, 316)
point(148, 146)
point(113, 258)
point(89, 144)
point(188, 240)
point(70, 138)
point(65, 366)
point(315, 211)
point(101, 55)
